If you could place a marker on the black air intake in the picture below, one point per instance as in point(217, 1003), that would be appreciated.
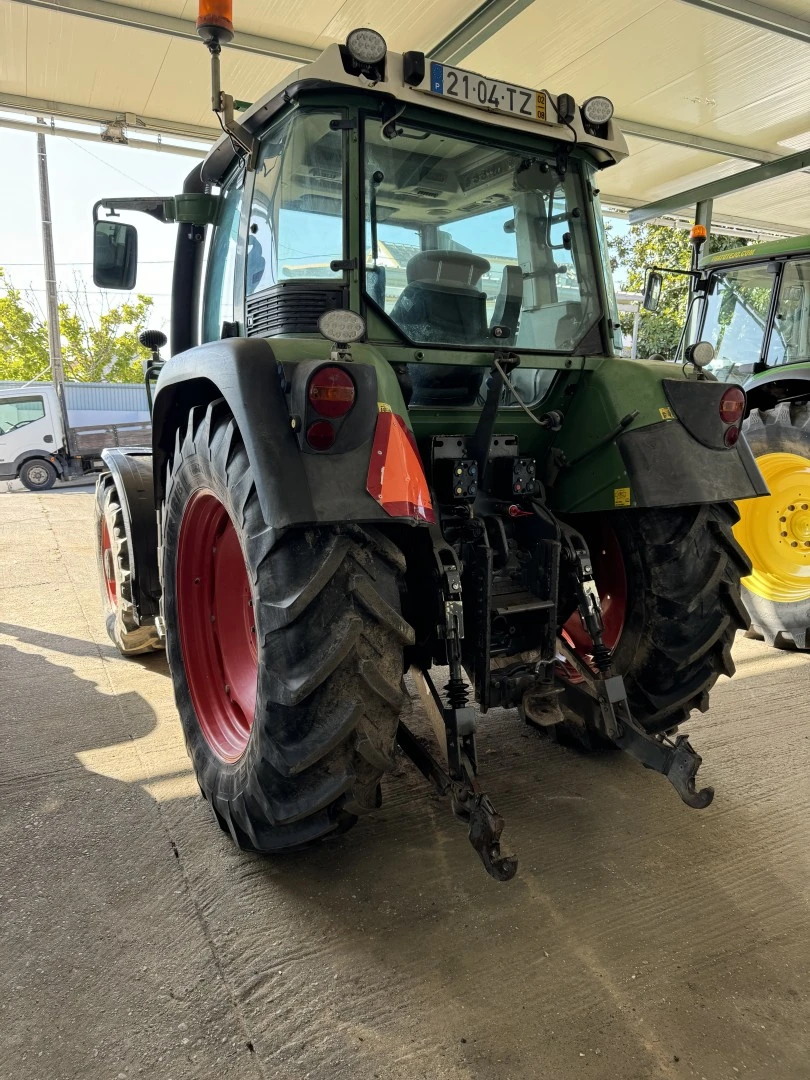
point(289, 309)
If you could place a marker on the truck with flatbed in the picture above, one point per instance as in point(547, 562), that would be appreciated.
point(40, 445)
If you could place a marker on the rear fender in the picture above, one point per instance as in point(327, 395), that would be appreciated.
point(294, 485)
point(131, 470)
point(789, 383)
point(637, 434)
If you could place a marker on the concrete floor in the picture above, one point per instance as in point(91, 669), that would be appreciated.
point(640, 939)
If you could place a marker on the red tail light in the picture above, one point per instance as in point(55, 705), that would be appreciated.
point(321, 435)
point(732, 406)
point(331, 392)
point(731, 436)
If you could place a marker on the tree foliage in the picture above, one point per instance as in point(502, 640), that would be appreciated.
point(94, 348)
point(644, 246)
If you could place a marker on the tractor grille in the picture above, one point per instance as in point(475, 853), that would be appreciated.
point(288, 309)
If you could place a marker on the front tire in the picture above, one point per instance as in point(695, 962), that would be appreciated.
point(37, 475)
point(674, 608)
point(775, 529)
point(290, 710)
point(113, 561)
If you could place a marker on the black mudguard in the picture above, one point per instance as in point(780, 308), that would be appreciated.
point(668, 467)
point(131, 469)
point(687, 462)
point(782, 384)
point(294, 486)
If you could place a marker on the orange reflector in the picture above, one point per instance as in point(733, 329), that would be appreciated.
point(697, 232)
point(396, 478)
point(217, 13)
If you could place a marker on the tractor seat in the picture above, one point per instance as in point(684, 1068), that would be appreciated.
point(457, 268)
point(441, 303)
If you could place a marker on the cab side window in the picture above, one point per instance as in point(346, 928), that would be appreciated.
point(790, 337)
point(296, 213)
point(17, 412)
point(218, 306)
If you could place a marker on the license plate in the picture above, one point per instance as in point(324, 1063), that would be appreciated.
point(472, 89)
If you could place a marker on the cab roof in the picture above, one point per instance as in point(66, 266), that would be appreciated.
point(329, 70)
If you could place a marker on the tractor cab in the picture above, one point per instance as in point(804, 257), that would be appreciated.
point(756, 311)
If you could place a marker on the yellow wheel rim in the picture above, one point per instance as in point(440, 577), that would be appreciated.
point(774, 531)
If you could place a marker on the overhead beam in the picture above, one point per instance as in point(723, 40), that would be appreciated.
point(696, 142)
point(726, 186)
point(154, 22)
point(487, 20)
point(727, 224)
point(66, 111)
point(766, 18)
point(33, 128)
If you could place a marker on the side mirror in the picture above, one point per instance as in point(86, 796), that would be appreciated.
point(115, 255)
point(652, 291)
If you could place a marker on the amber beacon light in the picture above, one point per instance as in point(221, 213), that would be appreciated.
point(215, 20)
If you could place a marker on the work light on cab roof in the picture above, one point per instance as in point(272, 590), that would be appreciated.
point(366, 46)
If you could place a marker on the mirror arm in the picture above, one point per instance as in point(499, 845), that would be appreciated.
point(672, 270)
point(194, 209)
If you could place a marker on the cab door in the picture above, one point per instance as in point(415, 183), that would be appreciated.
point(26, 423)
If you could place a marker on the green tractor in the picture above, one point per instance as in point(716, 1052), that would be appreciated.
point(395, 432)
point(752, 305)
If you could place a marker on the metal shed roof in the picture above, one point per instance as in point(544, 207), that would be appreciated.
point(704, 89)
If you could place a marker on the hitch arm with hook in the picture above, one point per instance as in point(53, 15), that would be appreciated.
point(677, 760)
point(458, 779)
point(470, 805)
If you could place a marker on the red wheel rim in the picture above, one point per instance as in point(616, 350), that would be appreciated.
point(611, 582)
point(217, 625)
point(108, 564)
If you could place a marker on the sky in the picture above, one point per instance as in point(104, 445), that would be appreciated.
point(80, 173)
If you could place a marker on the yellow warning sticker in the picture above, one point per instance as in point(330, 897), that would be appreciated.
point(667, 413)
point(383, 406)
point(621, 496)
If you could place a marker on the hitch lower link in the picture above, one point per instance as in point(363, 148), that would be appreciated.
point(676, 760)
point(454, 725)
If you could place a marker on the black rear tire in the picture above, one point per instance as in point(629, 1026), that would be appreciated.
point(784, 429)
point(37, 475)
point(683, 569)
point(115, 577)
point(329, 637)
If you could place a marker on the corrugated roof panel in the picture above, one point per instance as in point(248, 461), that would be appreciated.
point(655, 170)
point(790, 7)
point(784, 200)
point(94, 63)
point(415, 25)
point(181, 89)
point(14, 34)
point(301, 21)
point(670, 64)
